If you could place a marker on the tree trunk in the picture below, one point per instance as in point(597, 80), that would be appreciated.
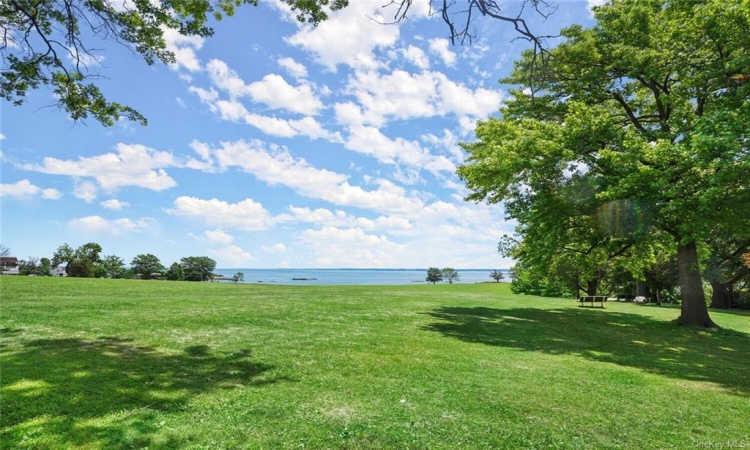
point(693, 301)
point(641, 289)
point(722, 295)
point(592, 286)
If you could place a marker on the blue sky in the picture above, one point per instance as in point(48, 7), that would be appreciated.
point(274, 144)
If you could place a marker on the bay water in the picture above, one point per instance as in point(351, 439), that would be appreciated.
point(352, 276)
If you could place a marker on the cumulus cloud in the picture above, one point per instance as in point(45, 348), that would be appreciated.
point(350, 247)
point(404, 95)
point(276, 166)
point(131, 165)
point(276, 248)
point(362, 24)
point(247, 215)
point(114, 204)
point(184, 48)
point(219, 236)
point(51, 194)
point(416, 56)
point(440, 48)
point(371, 141)
point(231, 256)
point(273, 90)
point(86, 191)
point(98, 224)
point(25, 189)
point(234, 111)
point(294, 68)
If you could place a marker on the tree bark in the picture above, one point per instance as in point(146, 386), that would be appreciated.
point(641, 289)
point(592, 286)
point(722, 295)
point(693, 310)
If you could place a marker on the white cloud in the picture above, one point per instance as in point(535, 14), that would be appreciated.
point(86, 191)
point(323, 217)
point(184, 48)
point(233, 110)
point(294, 68)
point(416, 56)
point(132, 165)
point(51, 194)
point(403, 95)
point(98, 224)
point(219, 236)
point(276, 248)
point(232, 256)
point(275, 92)
point(276, 166)
point(362, 26)
point(439, 47)
point(371, 141)
point(247, 215)
point(25, 189)
point(350, 247)
point(114, 204)
point(272, 90)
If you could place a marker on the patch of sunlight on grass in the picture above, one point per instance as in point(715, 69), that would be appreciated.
point(81, 374)
point(701, 385)
point(640, 342)
point(28, 387)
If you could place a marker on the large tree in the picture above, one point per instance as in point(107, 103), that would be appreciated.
point(146, 266)
point(113, 266)
point(198, 268)
point(650, 108)
point(82, 262)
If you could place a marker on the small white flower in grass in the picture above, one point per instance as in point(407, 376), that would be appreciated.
point(403, 401)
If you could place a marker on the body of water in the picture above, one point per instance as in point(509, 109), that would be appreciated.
point(353, 276)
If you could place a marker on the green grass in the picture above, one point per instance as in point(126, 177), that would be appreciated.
point(135, 364)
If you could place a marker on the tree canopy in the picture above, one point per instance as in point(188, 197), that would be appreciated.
point(636, 126)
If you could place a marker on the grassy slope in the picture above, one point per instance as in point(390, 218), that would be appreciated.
point(132, 364)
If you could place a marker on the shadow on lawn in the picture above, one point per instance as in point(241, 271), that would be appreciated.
point(721, 357)
point(108, 392)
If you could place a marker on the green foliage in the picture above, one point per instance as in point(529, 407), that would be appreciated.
point(29, 266)
point(497, 275)
point(147, 266)
point(529, 282)
point(631, 126)
point(237, 277)
point(113, 266)
point(175, 272)
point(81, 268)
point(51, 43)
point(63, 255)
point(45, 267)
point(198, 268)
point(434, 275)
point(450, 275)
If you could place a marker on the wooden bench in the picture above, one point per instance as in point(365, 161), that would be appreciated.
point(591, 299)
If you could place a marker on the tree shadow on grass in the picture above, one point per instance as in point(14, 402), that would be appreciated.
point(721, 357)
point(107, 392)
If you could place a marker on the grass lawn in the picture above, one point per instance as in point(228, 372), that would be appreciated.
point(135, 364)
